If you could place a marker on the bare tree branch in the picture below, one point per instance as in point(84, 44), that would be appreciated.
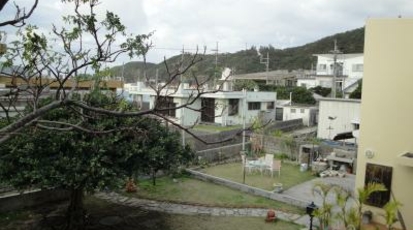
point(19, 17)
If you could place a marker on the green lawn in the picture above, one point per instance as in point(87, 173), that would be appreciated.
point(290, 175)
point(188, 190)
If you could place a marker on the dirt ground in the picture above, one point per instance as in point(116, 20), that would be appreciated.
point(100, 215)
point(107, 216)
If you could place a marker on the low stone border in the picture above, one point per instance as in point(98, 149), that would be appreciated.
point(248, 189)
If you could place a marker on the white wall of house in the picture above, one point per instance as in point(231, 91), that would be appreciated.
point(307, 82)
point(344, 112)
point(298, 112)
point(352, 64)
point(265, 99)
point(186, 116)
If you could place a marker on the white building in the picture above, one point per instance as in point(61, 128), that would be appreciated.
point(337, 116)
point(307, 113)
point(223, 107)
point(350, 70)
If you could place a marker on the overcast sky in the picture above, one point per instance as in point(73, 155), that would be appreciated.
point(234, 24)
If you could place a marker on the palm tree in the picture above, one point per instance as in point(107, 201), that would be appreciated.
point(324, 212)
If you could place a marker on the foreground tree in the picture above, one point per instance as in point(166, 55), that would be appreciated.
point(57, 157)
point(33, 63)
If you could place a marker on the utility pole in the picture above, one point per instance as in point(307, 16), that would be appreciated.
point(182, 62)
point(266, 61)
point(244, 118)
point(335, 52)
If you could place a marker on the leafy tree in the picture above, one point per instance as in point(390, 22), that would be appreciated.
point(323, 91)
point(300, 95)
point(245, 84)
point(57, 157)
point(356, 94)
point(162, 150)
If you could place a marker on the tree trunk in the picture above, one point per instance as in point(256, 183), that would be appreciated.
point(76, 211)
point(153, 177)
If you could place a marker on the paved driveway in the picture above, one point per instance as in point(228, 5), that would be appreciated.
point(303, 191)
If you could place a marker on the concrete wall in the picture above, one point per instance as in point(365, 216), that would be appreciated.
point(387, 108)
point(345, 111)
point(297, 112)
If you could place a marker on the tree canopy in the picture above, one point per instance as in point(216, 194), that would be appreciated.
point(55, 156)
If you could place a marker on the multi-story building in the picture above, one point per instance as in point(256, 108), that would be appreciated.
point(386, 141)
point(223, 107)
point(349, 72)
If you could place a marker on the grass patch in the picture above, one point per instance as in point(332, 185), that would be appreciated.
point(290, 175)
point(9, 217)
point(188, 190)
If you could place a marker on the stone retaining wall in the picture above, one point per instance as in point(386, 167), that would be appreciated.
point(221, 154)
point(248, 189)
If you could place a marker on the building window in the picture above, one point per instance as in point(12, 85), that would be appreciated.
point(357, 68)
point(254, 105)
point(270, 105)
point(233, 107)
point(168, 104)
point(322, 67)
point(292, 110)
point(379, 174)
point(302, 110)
point(279, 114)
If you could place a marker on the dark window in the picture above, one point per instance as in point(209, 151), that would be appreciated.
point(254, 105)
point(208, 110)
point(270, 105)
point(279, 114)
point(292, 110)
point(379, 174)
point(233, 107)
point(168, 104)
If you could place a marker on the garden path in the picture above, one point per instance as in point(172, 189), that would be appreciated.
point(193, 209)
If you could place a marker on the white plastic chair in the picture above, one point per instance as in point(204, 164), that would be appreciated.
point(276, 166)
point(246, 164)
point(268, 161)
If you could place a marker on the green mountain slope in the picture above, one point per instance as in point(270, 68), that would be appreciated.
point(247, 61)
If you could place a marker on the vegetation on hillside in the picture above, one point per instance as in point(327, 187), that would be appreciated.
point(248, 61)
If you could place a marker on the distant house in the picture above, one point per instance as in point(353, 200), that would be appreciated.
point(337, 116)
point(18, 105)
point(305, 112)
point(223, 107)
point(350, 71)
point(275, 77)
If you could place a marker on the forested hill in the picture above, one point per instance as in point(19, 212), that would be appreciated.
point(247, 61)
